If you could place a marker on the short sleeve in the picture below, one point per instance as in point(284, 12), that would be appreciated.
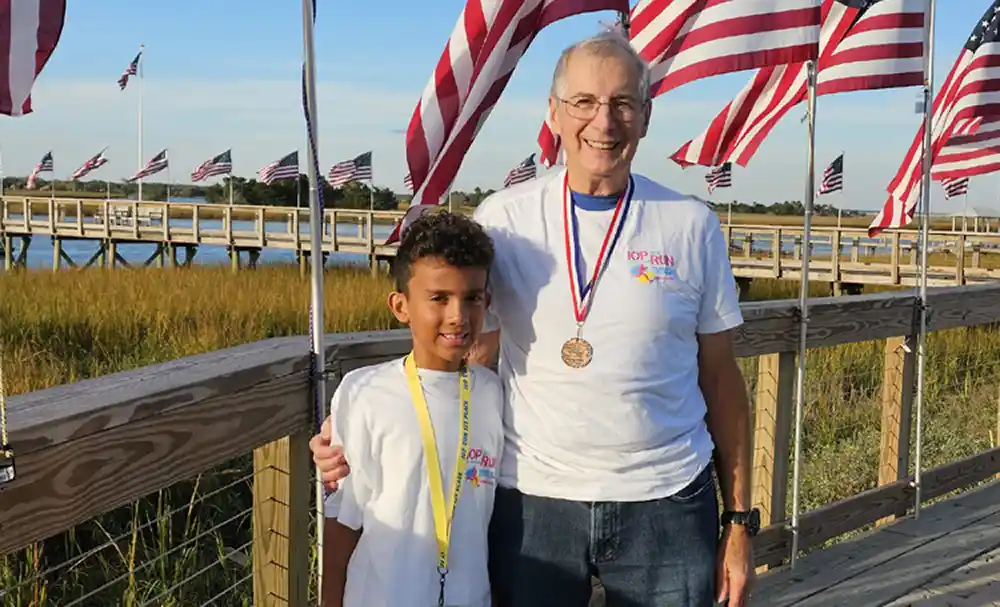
point(720, 305)
point(347, 504)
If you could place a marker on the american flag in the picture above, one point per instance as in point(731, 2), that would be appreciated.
point(286, 168)
point(971, 90)
point(96, 161)
point(31, 31)
point(155, 165)
point(358, 168)
point(219, 165)
point(525, 171)
point(45, 165)
point(955, 187)
point(973, 149)
point(864, 45)
point(485, 47)
point(720, 177)
point(686, 40)
point(408, 182)
point(833, 177)
point(131, 70)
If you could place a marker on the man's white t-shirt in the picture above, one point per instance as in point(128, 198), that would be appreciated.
point(629, 426)
point(387, 493)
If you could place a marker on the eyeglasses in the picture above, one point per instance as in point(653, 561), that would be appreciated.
point(585, 108)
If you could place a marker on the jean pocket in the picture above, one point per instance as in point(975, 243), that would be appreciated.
point(698, 487)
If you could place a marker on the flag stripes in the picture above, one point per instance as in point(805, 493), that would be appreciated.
point(833, 177)
point(358, 168)
point(285, 168)
point(720, 177)
point(96, 161)
point(955, 187)
point(864, 45)
point(30, 31)
point(971, 90)
point(45, 165)
point(155, 165)
point(970, 152)
point(218, 165)
point(131, 70)
point(525, 171)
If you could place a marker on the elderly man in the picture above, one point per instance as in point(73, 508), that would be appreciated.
point(613, 306)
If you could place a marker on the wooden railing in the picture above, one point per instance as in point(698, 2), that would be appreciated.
point(840, 255)
point(86, 448)
point(848, 256)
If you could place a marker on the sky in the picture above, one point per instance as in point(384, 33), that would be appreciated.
point(226, 74)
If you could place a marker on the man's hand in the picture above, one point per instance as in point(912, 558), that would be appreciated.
point(329, 459)
point(734, 571)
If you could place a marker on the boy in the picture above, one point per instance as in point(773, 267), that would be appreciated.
point(387, 539)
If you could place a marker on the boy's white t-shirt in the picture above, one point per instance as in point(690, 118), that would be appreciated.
point(387, 493)
point(630, 426)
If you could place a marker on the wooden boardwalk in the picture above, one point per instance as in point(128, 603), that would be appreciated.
point(842, 256)
point(948, 556)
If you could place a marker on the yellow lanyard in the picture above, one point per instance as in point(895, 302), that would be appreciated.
point(442, 519)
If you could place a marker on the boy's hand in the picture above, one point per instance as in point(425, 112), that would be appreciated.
point(329, 459)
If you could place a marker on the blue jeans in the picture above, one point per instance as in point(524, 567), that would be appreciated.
point(657, 553)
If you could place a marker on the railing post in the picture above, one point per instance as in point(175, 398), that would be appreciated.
point(281, 517)
point(897, 402)
point(772, 429)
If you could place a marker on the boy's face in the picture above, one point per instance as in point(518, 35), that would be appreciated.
point(444, 308)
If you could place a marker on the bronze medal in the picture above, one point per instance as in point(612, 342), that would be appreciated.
point(577, 352)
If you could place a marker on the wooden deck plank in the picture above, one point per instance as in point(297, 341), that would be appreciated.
point(885, 564)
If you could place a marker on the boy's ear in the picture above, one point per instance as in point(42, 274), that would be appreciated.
point(398, 305)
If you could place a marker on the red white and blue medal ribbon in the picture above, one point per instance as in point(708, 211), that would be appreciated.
point(583, 294)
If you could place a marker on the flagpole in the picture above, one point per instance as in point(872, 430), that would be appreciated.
point(925, 201)
point(318, 352)
point(140, 68)
point(230, 189)
point(800, 379)
point(168, 180)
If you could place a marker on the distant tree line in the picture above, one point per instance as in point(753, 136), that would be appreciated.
point(788, 207)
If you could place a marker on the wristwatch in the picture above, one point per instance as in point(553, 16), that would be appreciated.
point(748, 518)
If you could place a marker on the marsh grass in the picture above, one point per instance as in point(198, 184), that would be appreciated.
point(195, 537)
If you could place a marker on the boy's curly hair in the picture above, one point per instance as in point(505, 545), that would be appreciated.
point(454, 238)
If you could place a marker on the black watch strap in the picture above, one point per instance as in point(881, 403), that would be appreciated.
point(747, 518)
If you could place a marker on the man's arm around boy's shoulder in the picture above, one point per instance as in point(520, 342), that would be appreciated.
point(339, 542)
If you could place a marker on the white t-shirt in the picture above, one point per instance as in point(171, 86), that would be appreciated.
point(629, 426)
point(387, 494)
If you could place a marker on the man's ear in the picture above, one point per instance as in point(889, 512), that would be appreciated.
point(399, 307)
point(553, 114)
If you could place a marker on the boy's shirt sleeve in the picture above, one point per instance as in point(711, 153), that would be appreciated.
point(348, 503)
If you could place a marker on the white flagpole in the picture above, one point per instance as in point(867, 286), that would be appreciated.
point(230, 189)
point(1, 173)
point(140, 68)
point(800, 379)
point(925, 201)
point(316, 257)
point(168, 179)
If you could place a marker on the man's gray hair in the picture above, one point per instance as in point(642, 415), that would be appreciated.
point(610, 43)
